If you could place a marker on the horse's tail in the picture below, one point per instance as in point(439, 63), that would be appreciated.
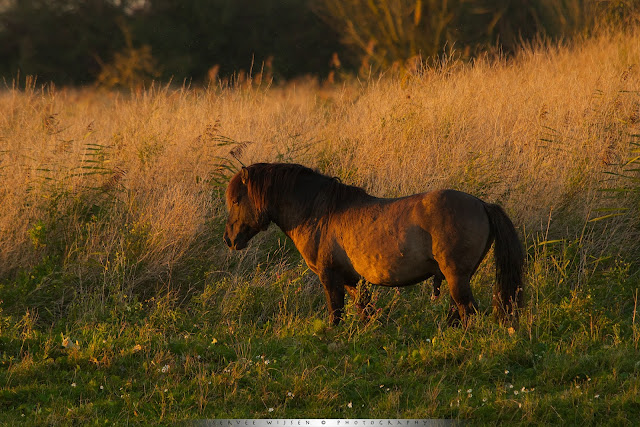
point(509, 259)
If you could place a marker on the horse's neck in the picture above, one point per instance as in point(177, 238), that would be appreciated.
point(304, 228)
point(288, 214)
point(293, 208)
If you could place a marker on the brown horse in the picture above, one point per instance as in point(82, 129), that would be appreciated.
point(345, 234)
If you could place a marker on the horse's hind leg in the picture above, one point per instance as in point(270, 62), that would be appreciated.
point(463, 304)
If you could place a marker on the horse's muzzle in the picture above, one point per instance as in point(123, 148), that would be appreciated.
point(240, 242)
point(226, 239)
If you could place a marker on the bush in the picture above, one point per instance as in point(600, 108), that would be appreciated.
point(384, 32)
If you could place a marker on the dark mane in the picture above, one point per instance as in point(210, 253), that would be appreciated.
point(314, 192)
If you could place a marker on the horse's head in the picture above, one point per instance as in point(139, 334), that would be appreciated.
point(245, 218)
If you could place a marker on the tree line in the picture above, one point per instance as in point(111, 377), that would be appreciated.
point(124, 42)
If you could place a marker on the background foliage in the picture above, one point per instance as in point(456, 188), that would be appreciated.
point(73, 41)
point(68, 41)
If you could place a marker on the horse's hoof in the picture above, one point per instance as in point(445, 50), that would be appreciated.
point(453, 319)
point(454, 323)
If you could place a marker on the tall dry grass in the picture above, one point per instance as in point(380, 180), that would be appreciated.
point(120, 189)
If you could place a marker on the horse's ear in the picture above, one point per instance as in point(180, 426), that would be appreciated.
point(244, 175)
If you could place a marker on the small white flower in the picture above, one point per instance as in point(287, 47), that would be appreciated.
point(470, 395)
point(469, 391)
point(209, 382)
point(350, 405)
point(266, 362)
point(73, 384)
point(515, 392)
point(270, 409)
point(387, 388)
point(523, 389)
point(506, 372)
point(428, 340)
point(101, 387)
point(519, 405)
point(510, 385)
point(597, 396)
point(165, 369)
point(484, 400)
point(290, 394)
point(166, 390)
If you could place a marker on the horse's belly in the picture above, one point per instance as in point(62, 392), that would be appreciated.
point(390, 246)
point(389, 267)
point(399, 275)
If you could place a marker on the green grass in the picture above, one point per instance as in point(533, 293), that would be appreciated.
point(257, 345)
point(120, 303)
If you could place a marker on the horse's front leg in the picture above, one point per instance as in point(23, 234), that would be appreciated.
point(437, 282)
point(333, 283)
point(362, 299)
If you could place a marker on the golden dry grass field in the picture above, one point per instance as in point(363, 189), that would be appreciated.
point(111, 219)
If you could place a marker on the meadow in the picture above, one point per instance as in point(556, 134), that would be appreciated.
point(120, 303)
